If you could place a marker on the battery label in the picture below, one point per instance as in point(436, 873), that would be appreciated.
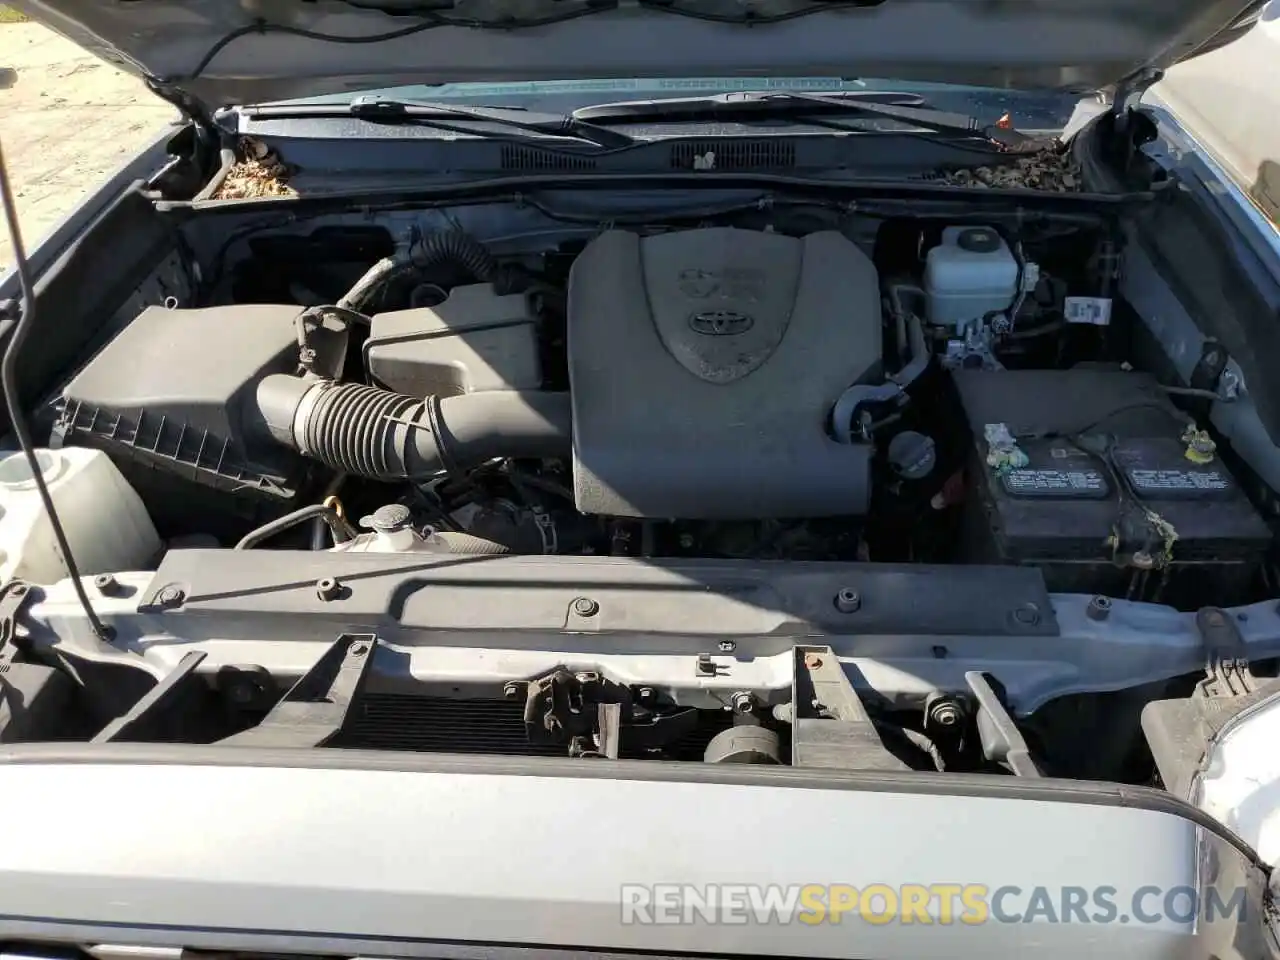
point(1177, 481)
point(1034, 482)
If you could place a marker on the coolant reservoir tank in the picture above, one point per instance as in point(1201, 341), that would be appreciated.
point(971, 273)
point(392, 533)
point(106, 524)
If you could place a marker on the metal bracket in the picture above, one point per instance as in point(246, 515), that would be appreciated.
point(191, 108)
point(594, 716)
point(314, 711)
point(1128, 93)
point(13, 598)
point(610, 722)
point(1002, 742)
point(1179, 730)
point(830, 726)
point(1227, 670)
point(148, 719)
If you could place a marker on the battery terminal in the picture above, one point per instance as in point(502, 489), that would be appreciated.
point(1003, 452)
point(1200, 446)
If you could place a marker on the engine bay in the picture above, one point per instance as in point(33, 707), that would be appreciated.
point(768, 443)
point(939, 394)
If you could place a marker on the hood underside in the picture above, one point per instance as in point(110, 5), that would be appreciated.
point(287, 48)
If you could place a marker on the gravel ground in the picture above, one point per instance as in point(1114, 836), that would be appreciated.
point(1230, 100)
point(67, 121)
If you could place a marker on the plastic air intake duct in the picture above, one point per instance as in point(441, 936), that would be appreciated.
point(367, 432)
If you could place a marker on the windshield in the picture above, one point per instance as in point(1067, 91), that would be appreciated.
point(1034, 110)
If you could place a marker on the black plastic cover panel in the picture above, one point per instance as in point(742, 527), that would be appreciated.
point(765, 605)
point(476, 340)
point(174, 392)
point(703, 366)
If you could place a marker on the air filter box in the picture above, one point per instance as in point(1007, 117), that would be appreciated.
point(171, 400)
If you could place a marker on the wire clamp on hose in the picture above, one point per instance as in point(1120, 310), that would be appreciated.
point(435, 423)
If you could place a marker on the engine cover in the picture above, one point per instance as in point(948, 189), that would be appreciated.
point(703, 365)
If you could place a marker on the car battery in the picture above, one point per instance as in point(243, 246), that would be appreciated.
point(1087, 474)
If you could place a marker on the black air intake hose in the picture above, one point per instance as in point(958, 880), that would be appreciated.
point(437, 249)
point(382, 435)
point(454, 246)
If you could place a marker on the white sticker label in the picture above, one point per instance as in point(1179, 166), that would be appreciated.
point(1029, 481)
point(1092, 310)
point(1178, 480)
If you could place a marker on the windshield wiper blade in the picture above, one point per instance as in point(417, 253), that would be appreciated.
point(447, 116)
point(811, 108)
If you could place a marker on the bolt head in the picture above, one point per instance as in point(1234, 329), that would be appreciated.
point(743, 702)
point(511, 691)
point(1028, 615)
point(945, 715)
point(848, 600)
point(171, 596)
point(1099, 608)
point(585, 607)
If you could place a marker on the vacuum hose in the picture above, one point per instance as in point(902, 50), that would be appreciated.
point(367, 432)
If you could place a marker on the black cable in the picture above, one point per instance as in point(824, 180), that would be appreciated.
point(753, 18)
point(429, 23)
point(321, 532)
point(1192, 392)
point(431, 504)
point(263, 27)
point(8, 380)
point(290, 520)
point(1124, 408)
point(519, 478)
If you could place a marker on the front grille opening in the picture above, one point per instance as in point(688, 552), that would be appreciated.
point(443, 725)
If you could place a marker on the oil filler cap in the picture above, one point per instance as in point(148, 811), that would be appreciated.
point(912, 455)
point(978, 240)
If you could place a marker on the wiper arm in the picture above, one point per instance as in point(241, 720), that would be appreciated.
point(448, 116)
point(812, 108)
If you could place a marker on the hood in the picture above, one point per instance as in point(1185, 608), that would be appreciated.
point(221, 52)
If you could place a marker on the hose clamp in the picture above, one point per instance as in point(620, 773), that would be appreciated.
point(301, 416)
